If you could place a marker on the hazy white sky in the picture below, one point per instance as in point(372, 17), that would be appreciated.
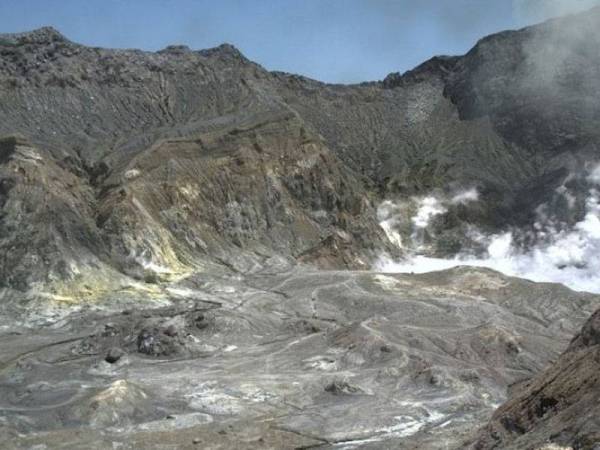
point(331, 40)
point(537, 10)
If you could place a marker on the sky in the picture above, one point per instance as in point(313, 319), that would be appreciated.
point(338, 41)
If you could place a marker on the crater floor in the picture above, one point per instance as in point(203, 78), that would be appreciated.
point(289, 357)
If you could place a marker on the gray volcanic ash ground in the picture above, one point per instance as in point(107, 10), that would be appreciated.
point(196, 252)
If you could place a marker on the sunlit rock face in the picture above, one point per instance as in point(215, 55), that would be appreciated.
point(276, 163)
point(191, 246)
point(559, 406)
point(150, 166)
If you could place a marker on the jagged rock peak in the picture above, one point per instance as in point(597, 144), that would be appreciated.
point(226, 50)
point(43, 36)
point(175, 49)
point(438, 66)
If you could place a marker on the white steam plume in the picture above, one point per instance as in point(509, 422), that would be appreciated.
point(527, 11)
point(571, 257)
point(429, 207)
point(464, 197)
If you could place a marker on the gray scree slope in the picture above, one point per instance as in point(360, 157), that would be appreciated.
point(163, 215)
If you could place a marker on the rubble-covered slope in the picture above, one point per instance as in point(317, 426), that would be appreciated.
point(184, 156)
point(165, 218)
point(561, 405)
point(151, 165)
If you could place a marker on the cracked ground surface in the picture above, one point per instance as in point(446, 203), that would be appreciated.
point(285, 358)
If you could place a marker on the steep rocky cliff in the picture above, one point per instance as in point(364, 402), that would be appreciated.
point(559, 406)
point(165, 161)
point(151, 165)
point(165, 219)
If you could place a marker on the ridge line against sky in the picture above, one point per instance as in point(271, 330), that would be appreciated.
point(338, 41)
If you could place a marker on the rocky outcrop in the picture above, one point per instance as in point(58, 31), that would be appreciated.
point(47, 219)
point(234, 196)
point(149, 165)
point(560, 406)
point(152, 165)
point(169, 214)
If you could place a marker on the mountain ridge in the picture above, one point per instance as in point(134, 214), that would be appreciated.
point(187, 244)
point(451, 123)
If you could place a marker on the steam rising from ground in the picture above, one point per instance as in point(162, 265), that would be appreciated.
point(429, 207)
point(569, 256)
point(538, 10)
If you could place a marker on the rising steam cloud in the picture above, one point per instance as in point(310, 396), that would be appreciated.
point(554, 251)
point(527, 11)
point(569, 256)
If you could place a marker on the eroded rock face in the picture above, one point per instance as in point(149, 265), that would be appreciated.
point(271, 187)
point(47, 221)
point(559, 406)
point(165, 212)
point(150, 165)
point(231, 197)
point(589, 336)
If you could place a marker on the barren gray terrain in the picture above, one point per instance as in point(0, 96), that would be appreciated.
point(188, 246)
point(287, 358)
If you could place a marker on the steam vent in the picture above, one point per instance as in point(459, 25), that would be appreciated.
point(197, 252)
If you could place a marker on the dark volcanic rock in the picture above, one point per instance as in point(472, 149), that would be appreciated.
point(197, 191)
point(561, 405)
point(339, 387)
point(535, 84)
point(113, 355)
point(589, 335)
point(153, 343)
point(149, 165)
